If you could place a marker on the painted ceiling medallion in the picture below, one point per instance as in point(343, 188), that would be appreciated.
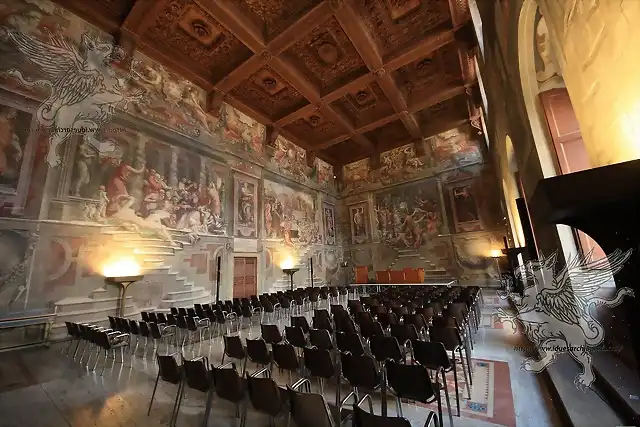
point(268, 83)
point(362, 98)
point(314, 120)
point(198, 26)
point(328, 53)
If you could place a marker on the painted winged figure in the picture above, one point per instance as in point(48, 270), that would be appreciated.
point(557, 318)
point(84, 88)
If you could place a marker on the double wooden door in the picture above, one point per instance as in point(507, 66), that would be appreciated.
point(245, 277)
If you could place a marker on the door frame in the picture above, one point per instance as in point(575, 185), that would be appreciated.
point(258, 258)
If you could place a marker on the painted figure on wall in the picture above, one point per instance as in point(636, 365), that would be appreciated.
point(358, 219)
point(406, 217)
point(16, 249)
point(465, 208)
point(356, 176)
point(240, 129)
point(400, 164)
point(12, 144)
point(329, 224)
point(127, 187)
point(245, 207)
point(290, 215)
point(290, 160)
point(454, 149)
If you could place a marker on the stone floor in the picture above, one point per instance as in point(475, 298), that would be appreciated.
point(45, 388)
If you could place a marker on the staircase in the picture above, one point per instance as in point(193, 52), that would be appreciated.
point(411, 258)
point(161, 262)
point(284, 282)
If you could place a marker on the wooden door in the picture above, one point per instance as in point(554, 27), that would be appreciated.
point(245, 272)
point(569, 147)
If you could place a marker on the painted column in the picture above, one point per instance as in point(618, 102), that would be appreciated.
point(443, 210)
point(173, 170)
point(137, 181)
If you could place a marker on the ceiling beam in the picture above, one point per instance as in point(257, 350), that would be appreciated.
point(80, 9)
point(229, 16)
point(443, 95)
point(340, 120)
point(433, 42)
point(296, 79)
point(460, 12)
point(300, 29)
point(241, 73)
point(360, 37)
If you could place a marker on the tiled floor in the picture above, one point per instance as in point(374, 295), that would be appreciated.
point(44, 388)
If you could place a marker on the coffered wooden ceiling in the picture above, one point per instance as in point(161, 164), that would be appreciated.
point(343, 79)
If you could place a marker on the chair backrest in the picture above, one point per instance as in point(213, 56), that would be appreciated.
point(229, 385)
point(411, 275)
point(362, 274)
point(349, 342)
point(295, 336)
point(447, 335)
point(404, 332)
point(265, 395)
point(197, 374)
point(310, 410)
point(321, 339)
point(396, 276)
point(361, 418)
point(431, 355)
point(300, 322)
point(284, 355)
point(170, 371)
point(233, 347)
point(410, 382)
point(258, 352)
point(319, 362)
point(161, 318)
point(360, 371)
point(386, 348)
point(382, 276)
point(144, 329)
point(322, 322)
point(271, 334)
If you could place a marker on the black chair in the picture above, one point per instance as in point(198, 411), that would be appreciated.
point(171, 372)
point(197, 376)
point(258, 353)
point(320, 365)
point(295, 336)
point(385, 348)
point(433, 356)
point(412, 382)
point(271, 334)
point(300, 322)
point(452, 341)
point(265, 395)
point(285, 357)
point(361, 372)
point(349, 342)
point(234, 349)
point(311, 410)
point(230, 386)
point(322, 322)
point(361, 418)
point(321, 339)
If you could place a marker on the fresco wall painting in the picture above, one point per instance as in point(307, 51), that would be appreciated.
point(407, 216)
point(245, 204)
point(359, 222)
point(329, 222)
point(466, 215)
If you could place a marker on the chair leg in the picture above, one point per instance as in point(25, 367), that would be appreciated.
point(153, 394)
point(70, 344)
point(207, 409)
point(455, 380)
point(464, 370)
point(176, 405)
point(446, 396)
point(104, 365)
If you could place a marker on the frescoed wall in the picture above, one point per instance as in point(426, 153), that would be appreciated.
point(130, 165)
point(438, 211)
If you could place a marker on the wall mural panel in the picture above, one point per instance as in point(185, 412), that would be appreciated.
point(455, 149)
point(359, 220)
point(245, 218)
point(408, 216)
point(17, 248)
point(329, 221)
point(290, 215)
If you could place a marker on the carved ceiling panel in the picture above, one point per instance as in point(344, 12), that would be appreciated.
point(185, 30)
point(398, 24)
point(327, 56)
point(344, 150)
point(268, 92)
point(394, 131)
point(446, 111)
point(420, 75)
point(275, 16)
point(365, 105)
point(315, 128)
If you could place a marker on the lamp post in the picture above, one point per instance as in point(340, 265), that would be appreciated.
point(290, 272)
point(123, 283)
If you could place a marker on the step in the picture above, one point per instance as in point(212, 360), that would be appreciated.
point(185, 302)
point(87, 315)
point(166, 251)
point(71, 305)
point(178, 294)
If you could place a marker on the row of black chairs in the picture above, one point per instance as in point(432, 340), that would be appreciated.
point(96, 339)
